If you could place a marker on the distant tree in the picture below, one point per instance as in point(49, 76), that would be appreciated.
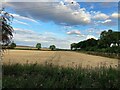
point(73, 46)
point(38, 45)
point(5, 29)
point(52, 47)
point(12, 45)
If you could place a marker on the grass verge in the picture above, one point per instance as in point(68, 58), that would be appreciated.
point(49, 76)
point(109, 55)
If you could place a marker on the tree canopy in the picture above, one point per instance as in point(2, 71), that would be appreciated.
point(12, 45)
point(5, 28)
point(84, 44)
point(52, 47)
point(38, 45)
point(106, 39)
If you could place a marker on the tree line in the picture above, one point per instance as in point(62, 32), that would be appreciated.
point(109, 41)
point(38, 46)
point(52, 47)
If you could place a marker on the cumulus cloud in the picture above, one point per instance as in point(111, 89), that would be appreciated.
point(91, 7)
point(29, 37)
point(100, 16)
point(74, 32)
point(91, 30)
point(63, 12)
point(115, 15)
point(90, 36)
point(109, 22)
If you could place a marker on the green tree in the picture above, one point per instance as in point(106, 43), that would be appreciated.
point(38, 45)
point(5, 28)
point(108, 37)
point(73, 46)
point(12, 45)
point(52, 47)
point(87, 43)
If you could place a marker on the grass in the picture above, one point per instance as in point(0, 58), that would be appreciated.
point(50, 76)
point(109, 55)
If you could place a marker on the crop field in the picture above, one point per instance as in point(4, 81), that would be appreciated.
point(60, 58)
point(58, 69)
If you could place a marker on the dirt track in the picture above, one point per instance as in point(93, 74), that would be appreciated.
point(62, 58)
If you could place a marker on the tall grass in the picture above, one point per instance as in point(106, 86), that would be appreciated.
point(49, 76)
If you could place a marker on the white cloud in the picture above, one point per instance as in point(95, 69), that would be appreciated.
point(17, 21)
point(60, 13)
point(29, 37)
point(74, 32)
point(91, 7)
point(109, 22)
point(90, 36)
point(63, 12)
point(23, 31)
point(90, 30)
point(115, 15)
point(100, 16)
point(17, 16)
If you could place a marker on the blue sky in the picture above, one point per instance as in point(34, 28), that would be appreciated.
point(61, 23)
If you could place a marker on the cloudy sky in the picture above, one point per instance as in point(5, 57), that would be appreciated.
point(60, 23)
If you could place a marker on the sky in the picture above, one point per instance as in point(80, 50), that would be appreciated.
point(60, 23)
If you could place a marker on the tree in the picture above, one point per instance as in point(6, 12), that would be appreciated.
point(73, 46)
point(5, 28)
point(38, 45)
point(87, 43)
point(107, 38)
point(52, 47)
point(12, 45)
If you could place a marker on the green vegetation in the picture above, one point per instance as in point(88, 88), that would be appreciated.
point(6, 30)
point(52, 47)
point(12, 45)
point(49, 76)
point(38, 45)
point(109, 42)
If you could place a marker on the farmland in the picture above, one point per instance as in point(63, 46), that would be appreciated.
point(66, 44)
point(58, 69)
point(60, 58)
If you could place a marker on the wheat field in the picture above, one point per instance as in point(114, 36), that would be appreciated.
point(60, 58)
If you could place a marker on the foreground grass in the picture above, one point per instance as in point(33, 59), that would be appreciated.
point(49, 76)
